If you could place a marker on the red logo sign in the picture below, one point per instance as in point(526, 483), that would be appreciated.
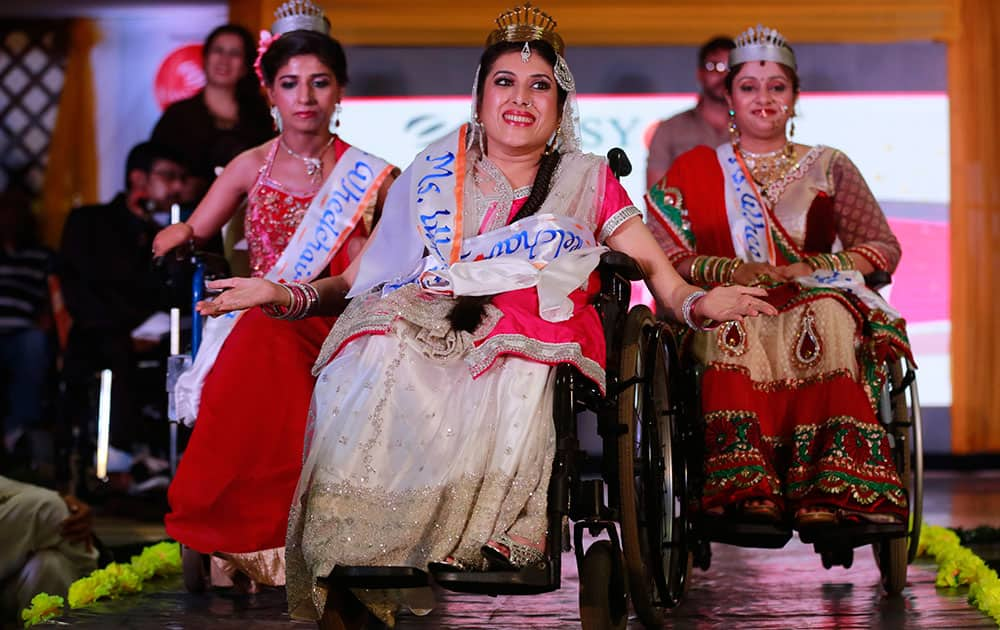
point(180, 75)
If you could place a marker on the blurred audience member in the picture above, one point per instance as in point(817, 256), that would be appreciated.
point(25, 358)
point(47, 543)
point(707, 123)
point(228, 116)
point(110, 288)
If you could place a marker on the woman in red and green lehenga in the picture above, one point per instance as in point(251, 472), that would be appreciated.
point(789, 402)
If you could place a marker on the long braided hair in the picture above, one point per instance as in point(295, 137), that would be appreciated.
point(468, 310)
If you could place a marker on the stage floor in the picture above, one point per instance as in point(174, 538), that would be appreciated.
point(744, 588)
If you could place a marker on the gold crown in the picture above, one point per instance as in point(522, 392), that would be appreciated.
point(299, 15)
point(761, 44)
point(526, 24)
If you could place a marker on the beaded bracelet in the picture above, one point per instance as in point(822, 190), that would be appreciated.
point(303, 301)
point(688, 306)
point(713, 269)
point(841, 261)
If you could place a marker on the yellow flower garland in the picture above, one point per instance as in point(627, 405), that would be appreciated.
point(958, 566)
point(112, 581)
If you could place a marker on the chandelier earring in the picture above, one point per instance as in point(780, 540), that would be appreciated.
point(335, 119)
point(791, 129)
point(480, 132)
point(554, 140)
point(734, 132)
point(276, 117)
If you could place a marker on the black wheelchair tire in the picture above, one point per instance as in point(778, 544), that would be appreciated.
point(893, 555)
point(603, 601)
point(657, 573)
point(890, 556)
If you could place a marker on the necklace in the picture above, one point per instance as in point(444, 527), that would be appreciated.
point(767, 169)
point(314, 165)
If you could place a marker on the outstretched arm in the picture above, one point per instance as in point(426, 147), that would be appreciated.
point(720, 304)
point(216, 208)
point(242, 293)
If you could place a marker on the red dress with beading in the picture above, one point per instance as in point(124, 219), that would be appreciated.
point(235, 482)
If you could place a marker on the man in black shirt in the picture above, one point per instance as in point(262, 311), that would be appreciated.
point(110, 288)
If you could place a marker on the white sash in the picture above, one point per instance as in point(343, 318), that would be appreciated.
point(553, 253)
point(753, 241)
point(347, 193)
point(849, 281)
point(748, 220)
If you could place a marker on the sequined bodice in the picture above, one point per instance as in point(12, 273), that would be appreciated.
point(273, 215)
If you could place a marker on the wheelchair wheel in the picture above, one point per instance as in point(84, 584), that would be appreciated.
point(652, 475)
point(603, 605)
point(901, 410)
point(195, 568)
point(890, 556)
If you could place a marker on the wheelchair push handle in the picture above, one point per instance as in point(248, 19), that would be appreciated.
point(619, 163)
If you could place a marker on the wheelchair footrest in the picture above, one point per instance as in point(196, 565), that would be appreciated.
point(377, 577)
point(526, 581)
point(730, 531)
point(850, 535)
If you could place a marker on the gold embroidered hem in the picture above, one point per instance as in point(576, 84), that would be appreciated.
point(411, 460)
point(263, 567)
point(788, 416)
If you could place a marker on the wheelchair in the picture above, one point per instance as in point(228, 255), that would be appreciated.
point(670, 537)
point(646, 538)
point(598, 506)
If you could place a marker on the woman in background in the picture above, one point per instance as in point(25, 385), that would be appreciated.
point(226, 117)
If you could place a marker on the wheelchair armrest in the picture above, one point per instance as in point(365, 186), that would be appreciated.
point(878, 279)
point(622, 265)
point(216, 265)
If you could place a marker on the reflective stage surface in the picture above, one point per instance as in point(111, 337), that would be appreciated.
point(744, 588)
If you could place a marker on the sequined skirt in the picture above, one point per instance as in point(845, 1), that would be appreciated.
point(789, 415)
point(412, 460)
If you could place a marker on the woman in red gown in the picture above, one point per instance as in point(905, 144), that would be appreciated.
point(234, 486)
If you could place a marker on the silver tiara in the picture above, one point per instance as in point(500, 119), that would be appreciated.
point(761, 44)
point(299, 15)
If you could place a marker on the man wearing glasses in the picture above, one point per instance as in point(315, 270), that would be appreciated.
point(110, 288)
point(707, 123)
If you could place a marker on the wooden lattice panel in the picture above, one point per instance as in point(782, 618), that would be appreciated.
point(32, 63)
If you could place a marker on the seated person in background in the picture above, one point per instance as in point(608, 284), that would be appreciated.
point(25, 357)
point(789, 402)
point(47, 544)
point(110, 287)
